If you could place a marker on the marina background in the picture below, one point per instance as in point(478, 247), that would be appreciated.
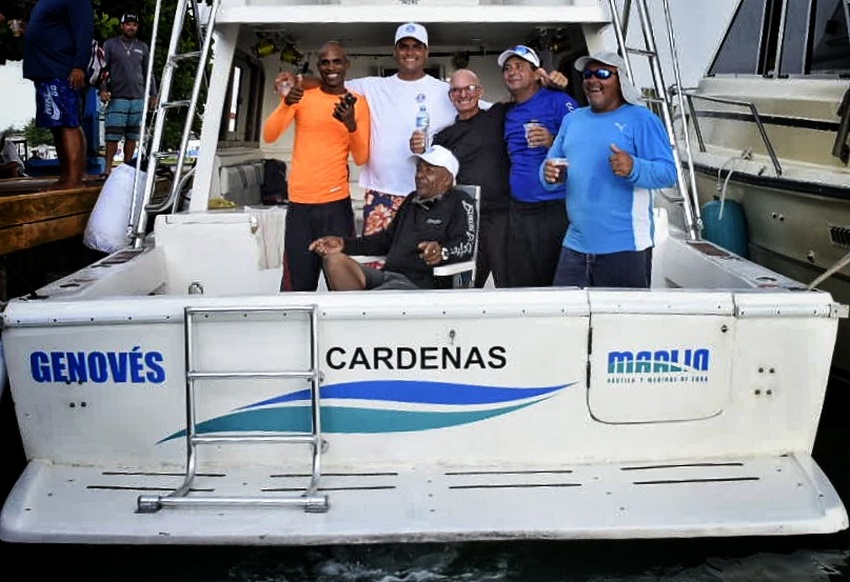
point(698, 28)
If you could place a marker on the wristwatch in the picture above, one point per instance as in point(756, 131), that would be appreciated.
point(444, 254)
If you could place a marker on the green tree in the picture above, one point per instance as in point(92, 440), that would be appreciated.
point(107, 14)
point(37, 136)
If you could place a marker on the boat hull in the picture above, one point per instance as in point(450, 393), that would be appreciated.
point(796, 202)
point(447, 415)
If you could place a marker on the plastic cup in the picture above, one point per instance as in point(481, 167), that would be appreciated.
point(561, 164)
point(17, 27)
point(528, 127)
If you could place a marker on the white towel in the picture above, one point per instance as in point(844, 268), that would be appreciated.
point(269, 234)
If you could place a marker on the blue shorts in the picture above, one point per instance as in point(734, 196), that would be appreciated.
point(57, 104)
point(124, 119)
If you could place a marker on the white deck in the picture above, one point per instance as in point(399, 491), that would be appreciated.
point(770, 495)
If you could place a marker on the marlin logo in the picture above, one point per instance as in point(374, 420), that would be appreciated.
point(379, 406)
point(620, 126)
point(691, 360)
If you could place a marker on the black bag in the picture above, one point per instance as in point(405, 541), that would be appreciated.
point(275, 188)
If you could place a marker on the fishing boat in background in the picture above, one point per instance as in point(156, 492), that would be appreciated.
point(168, 394)
point(769, 125)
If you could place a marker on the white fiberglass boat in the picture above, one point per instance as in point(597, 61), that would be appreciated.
point(771, 122)
point(168, 394)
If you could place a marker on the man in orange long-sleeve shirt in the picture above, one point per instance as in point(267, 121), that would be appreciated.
point(330, 122)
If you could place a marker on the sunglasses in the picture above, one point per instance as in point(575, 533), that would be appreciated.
point(458, 90)
point(602, 74)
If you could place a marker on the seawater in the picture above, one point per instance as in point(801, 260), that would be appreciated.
point(780, 559)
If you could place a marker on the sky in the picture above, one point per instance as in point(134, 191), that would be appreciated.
point(18, 96)
point(697, 26)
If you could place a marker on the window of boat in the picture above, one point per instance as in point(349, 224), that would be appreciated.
point(830, 39)
point(796, 37)
point(242, 120)
point(744, 50)
point(815, 41)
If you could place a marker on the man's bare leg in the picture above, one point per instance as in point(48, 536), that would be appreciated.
point(129, 149)
point(70, 147)
point(343, 273)
point(111, 149)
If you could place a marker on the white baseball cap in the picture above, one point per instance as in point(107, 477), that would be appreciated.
point(440, 156)
point(627, 88)
point(412, 30)
point(522, 52)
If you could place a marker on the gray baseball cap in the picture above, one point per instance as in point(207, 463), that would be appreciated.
point(627, 88)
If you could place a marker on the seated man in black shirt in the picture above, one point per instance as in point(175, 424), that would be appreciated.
point(433, 226)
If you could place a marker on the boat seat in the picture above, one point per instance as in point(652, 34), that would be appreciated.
point(242, 183)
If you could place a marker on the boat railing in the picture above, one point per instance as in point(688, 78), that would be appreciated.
point(771, 152)
point(840, 148)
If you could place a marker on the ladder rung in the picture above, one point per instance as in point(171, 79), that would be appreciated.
point(653, 99)
point(173, 104)
point(307, 439)
point(185, 56)
point(642, 52)
point(233, 375)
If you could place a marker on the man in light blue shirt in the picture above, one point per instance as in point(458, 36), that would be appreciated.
point(616, 151)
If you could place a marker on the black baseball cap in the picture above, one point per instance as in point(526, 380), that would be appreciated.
point(129, 17)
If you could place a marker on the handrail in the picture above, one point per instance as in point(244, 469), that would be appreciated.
point(174, 195)
point(753, 111)
point(840, 148)
point(689, 196)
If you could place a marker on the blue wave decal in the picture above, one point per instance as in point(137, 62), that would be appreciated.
point(415, 391)
point(342, 420)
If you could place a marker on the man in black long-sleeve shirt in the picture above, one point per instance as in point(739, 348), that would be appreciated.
point(477, 140)
point(433, 226)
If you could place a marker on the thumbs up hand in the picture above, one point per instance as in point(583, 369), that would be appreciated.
point(621, 162)
point(296, 92)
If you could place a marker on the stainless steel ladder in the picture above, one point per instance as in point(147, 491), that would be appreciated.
point(310, 499)
point(687, 189)
point(153, 153)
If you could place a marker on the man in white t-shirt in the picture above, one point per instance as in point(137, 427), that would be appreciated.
point(394, 103)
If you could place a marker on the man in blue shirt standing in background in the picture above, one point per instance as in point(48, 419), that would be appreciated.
point(536, 218)
point(57, 48)
point(615, 151)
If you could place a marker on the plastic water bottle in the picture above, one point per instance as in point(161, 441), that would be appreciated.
point(423, 121)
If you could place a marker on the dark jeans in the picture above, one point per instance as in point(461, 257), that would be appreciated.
point(535, 235)
point(625, 269)
point(492, 256)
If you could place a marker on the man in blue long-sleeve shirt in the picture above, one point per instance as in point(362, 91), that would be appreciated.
point(57, 48)
point(616, 152)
